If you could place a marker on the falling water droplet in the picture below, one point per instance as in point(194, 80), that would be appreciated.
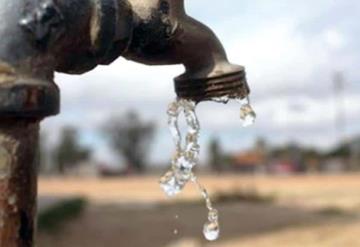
point(213, 215)
point(211, 230)
point(247, 114)
point(169, 184)
point(176, 232)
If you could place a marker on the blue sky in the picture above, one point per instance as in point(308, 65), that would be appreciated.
point(290, 49)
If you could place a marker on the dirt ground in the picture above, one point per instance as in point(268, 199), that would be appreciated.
point(133, 212)
point(304, 191)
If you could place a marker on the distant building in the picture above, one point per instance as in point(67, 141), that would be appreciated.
point(282, 166)
point(252, 161)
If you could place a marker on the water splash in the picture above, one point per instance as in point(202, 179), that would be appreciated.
point(186, 156)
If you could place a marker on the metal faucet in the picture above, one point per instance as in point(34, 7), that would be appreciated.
point(39, 37)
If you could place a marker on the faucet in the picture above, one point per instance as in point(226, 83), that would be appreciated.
point(41, 37)
point(165, 34)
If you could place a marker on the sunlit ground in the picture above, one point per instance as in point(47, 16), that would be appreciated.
point(303, 211)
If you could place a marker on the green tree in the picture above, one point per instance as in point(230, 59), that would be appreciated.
point(69, 153)
point(131, 139)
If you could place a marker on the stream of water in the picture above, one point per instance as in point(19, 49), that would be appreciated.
point(186, 156)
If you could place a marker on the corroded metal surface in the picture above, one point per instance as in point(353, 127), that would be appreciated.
point(18, 149)
point(26, 100)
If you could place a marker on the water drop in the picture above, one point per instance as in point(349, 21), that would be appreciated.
point(247, 114)
point(169, 184)
point(176, 232)
point(213, 215)
point(223, 99)
point(211, 230)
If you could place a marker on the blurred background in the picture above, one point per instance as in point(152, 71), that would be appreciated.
point(292, 179)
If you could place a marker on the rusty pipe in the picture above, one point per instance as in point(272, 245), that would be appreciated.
point(18, 181)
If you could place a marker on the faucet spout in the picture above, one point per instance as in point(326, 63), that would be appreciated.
point(165, 34)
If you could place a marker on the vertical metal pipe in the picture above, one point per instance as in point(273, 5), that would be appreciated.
point(18, 181)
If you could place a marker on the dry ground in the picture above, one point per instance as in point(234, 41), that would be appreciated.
point(133, 212)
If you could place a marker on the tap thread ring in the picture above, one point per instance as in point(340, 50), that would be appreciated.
point(231, 85)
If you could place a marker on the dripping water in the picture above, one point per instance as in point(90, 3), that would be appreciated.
point(247, 114)
point(187, 157)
